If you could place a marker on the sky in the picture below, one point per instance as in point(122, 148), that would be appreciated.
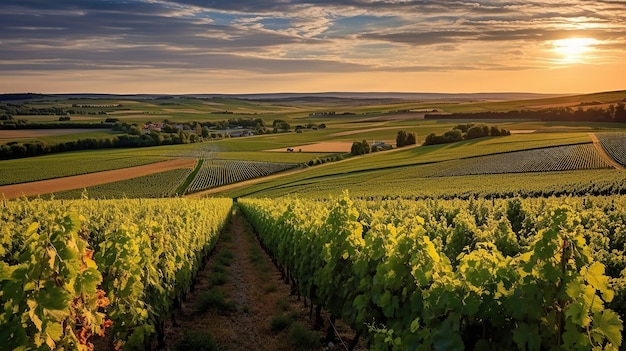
point(265, 46)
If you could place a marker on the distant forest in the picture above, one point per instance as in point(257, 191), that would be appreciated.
point(613, 113)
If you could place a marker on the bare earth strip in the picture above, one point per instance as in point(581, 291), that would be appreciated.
point(351, 132)
point(331, 146)
point(608, 159)
point(91, 179)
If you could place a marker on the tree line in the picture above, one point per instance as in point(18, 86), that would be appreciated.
point(36, 148)
point(403, 138)
point(134, 135)
point(613, 113)
point(465, 132)
point(23, 124)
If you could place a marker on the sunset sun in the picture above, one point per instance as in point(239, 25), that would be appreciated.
point(573, 49)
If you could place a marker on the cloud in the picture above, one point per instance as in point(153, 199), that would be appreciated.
point(301, 36)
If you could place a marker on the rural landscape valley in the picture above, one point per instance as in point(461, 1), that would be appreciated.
point(294, 175)
point(313, 221)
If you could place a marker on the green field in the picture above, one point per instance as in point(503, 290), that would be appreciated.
point(71, 163)
point(399, 173)
point(163, 184)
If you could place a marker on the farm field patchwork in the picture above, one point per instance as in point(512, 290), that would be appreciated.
point(411, 167)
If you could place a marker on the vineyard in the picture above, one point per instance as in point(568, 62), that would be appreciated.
point(560, 158)
point(74, 270)
point(163, 184)
point(531, 274)
point(214, 173)
point(615, 145)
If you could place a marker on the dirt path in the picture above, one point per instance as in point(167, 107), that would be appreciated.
point(91, 179)
point(258, 298)
point(608, 159)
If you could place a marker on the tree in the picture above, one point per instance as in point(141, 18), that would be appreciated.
point(476, 132)
point(134, 130)
point(360, 148)
point(452, 136)
point(401, 139)
point(620, 113)
point(205, 132)
point(280, 125)
point(411, 138)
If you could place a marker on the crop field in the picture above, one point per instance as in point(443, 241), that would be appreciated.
point(158, 185)
point(615, 145)
point(29, 134)
point(411, 167)
point(495, 265)
point(93, 179)
point(214, 173)
point(551, 159)
point(68, 164)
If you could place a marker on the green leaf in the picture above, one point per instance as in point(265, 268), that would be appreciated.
point(447, 337)
point(88, 281)
point(578, 314)
point(415, 325)
point(482, 345)
point(610, 325)
point(595, 276)
point(527, 337)
point(6, 271)
point(32, 313)
point(53, 297)
point(54, 331)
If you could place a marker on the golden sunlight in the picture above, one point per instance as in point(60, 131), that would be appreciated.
point(573, 49)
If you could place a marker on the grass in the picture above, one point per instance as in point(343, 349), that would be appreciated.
point(283, 304)
point(182, 187)
point(218, 278)
point(213, 300)
point(279, 323)
point(302, 338)
point(218, 269)
point(197, 340)
point(225, 258)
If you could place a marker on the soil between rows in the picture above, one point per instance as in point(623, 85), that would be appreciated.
point(259, 296)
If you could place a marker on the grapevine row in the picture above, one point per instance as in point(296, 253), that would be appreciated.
point(214, 173)
point(560, 158)
point(72, 269)
point(615, 145)
point(455, 275)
